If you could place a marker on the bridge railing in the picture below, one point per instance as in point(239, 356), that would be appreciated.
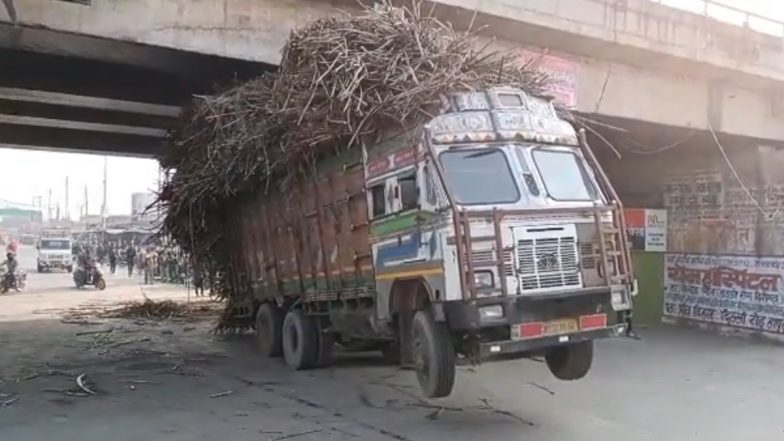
point(730, 14)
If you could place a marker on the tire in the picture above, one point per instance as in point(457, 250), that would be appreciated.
point(300, 340)
point(40, 269)
point(269, 330)
point(434, 356)
point(326, 343)
point(70, 268)
point(570, 362)
point(391, 352)
point(101, 284)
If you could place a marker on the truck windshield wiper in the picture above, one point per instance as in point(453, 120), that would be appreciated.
point(480, 154)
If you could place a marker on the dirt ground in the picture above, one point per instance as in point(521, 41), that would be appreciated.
point(175, 380)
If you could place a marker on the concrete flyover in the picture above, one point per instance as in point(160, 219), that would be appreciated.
point(623, 60)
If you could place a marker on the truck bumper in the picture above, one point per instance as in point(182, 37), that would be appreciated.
point(512, 347)
point(468, 315)
point(498, 333)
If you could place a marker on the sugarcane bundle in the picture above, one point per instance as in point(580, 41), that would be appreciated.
point(340, 81)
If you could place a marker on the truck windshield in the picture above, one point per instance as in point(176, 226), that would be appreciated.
point(563, 175)
point(50, 244)
point(479, 176)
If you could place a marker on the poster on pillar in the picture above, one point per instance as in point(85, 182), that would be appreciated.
point(738, 291)
point(562, 74)
point(647, 229)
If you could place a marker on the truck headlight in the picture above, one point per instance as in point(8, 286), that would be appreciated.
point(491, 312)
point(619, 298)
point(484, 279)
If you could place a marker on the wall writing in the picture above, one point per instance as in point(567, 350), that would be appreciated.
point(738, 291)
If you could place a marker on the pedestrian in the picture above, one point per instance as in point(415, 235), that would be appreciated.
point(198, 279)
point(112, 259)
point(149, 266)
point(130, 258)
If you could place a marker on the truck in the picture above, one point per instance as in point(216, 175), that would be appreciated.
point(488, 232)
point(55, 250)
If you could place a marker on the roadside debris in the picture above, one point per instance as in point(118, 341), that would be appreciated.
point(148, 309)
point(294, 435)
point(542, 388)
point(7, 403)
point(222, 394)
point(80, 381)
point(162, 309)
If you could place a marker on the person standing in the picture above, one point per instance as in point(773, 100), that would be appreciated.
point(149, 265)
point(130, 258)
point(198, 279)
point(112, 259)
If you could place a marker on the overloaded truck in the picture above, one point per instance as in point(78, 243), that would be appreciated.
point(489, 232)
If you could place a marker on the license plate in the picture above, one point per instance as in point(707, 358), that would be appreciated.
point(558, 327)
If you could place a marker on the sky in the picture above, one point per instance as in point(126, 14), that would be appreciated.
point(26, 174)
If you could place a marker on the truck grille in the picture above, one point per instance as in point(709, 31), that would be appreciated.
point(548, 263)
point(486, 258)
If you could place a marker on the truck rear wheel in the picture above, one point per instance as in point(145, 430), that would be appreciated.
point(434, 356)
point(269, 328)
point(300, 340)
point(570, 362)
point(326, 343)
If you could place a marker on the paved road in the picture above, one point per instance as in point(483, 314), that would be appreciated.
point(155, 380)
point(55, 291)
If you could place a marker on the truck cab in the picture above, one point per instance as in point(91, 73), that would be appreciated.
point(55, 252)
point(518, 247)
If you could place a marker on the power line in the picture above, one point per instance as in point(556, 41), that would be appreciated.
point(736, 175)
point(655, 150)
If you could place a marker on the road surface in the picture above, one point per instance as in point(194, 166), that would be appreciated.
point(174, 380)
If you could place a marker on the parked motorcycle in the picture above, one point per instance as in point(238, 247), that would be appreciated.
point(93, 276)
point(17, 283)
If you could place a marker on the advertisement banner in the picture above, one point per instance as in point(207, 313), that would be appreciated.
point(656, 230)
point(647, 229)
point(563, 76)
point(738, 291)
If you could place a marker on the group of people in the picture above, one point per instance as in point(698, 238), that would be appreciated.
point(159, 262)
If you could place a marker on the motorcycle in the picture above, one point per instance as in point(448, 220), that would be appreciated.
point(17, 283)
point(93, 276)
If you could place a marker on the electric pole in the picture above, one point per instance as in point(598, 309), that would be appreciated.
point(104, 211)
point(49, 206)
point(86, 203)
point(67, 210)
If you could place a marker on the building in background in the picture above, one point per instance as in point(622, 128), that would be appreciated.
point(141, 207)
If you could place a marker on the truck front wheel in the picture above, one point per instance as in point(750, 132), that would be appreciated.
point(300, 340)
point(269, 327)
point(570, 362)
point(434, 355)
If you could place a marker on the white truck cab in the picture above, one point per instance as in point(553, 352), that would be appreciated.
point(55, 251)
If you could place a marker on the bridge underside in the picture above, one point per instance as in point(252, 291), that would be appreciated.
point(69, 92)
